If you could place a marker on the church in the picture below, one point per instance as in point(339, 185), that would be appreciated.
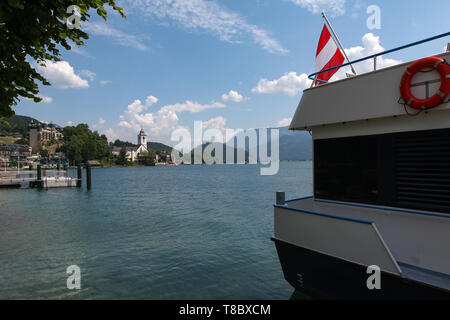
point(134, 152)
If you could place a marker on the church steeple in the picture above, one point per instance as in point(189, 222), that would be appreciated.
point(142, 138)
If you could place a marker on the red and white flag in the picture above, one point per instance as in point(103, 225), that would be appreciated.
point(328, 56)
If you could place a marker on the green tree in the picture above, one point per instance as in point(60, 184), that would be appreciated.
point(31, 32)
point(122, 158)
point(148, 158)
point(5, 127)
point(81, 144)
point(44, 153)
point(121, 144)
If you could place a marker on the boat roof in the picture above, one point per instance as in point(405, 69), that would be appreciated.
point(371, 95)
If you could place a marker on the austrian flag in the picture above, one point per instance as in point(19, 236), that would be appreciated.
point(328, 55)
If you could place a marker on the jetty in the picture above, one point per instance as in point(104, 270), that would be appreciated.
point(43, 178)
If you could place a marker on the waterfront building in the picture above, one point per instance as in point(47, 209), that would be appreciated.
point(163, 156)
point(134, 152)
point(40, 133)
point(13, 152)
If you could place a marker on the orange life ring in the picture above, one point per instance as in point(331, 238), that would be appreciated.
point(439, 97)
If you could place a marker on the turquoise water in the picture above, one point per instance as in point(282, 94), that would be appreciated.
point(188, 232)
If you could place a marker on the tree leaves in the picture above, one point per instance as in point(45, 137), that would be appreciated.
point(34, 29)
point(81, 144)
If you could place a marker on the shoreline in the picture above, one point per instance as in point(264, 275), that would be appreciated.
point(179, 165)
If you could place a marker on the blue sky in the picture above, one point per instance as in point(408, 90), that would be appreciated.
point(232, 64)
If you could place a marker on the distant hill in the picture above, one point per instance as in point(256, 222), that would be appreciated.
point(20, 121)
point(17, 124)
point(295, 145)
point(225, 149)
point(157, 146)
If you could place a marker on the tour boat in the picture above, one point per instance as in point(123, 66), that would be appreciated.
point(378, 223)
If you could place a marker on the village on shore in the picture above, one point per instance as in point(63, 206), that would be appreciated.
point(27, 143)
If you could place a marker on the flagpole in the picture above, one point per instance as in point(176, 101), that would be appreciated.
point(337, 39)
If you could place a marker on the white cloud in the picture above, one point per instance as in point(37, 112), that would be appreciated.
point(160, 124)
point(215, 123)
point(137, 106)
point(79, 51)
point(122, 38)
point(45, 99)
point(232, 96)
point(284, 123)
point(190, 106)
point(357, 8)
point(208, 16)
point(124, 124)
point(111, 134)
point(105, 82)
point(151, 100)
point(61, 75)
point(334, 7)
point(70, 123)
point(100, 124)
point(371, 45)
point(289, 84)
point(88, 74)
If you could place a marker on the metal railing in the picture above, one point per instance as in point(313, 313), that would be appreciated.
point(312, 76)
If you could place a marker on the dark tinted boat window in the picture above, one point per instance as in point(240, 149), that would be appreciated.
point(406, 170)
point(345, 169)
point(422, 170)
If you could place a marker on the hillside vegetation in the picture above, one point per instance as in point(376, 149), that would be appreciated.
point(153, 146)
point(16, 124)
point(8, 139)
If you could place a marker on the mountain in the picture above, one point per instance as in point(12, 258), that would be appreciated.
point(157, 146)
point(225, 149)
point(17, 124)
point(295, 145)
point(20, 124)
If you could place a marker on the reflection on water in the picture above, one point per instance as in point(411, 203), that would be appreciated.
point(188, 232)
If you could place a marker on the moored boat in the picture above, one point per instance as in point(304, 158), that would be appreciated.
point(378, 224)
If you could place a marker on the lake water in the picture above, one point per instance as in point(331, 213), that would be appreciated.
point(188, 232)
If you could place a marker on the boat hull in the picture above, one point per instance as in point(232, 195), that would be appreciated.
point(324, 276)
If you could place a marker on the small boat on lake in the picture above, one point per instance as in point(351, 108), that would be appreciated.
point(378, 224)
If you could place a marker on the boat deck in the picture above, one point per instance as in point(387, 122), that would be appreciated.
point(419, 241)
point(436, 279)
